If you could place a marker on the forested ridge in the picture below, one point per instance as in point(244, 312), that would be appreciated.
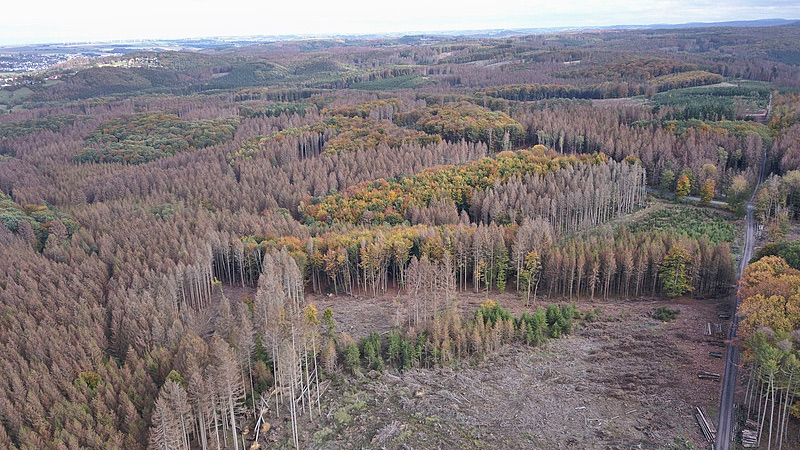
point(137, 204)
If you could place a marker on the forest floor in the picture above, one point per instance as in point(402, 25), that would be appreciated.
point(622, 381)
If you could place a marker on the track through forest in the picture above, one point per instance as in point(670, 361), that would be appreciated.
point(725, 428)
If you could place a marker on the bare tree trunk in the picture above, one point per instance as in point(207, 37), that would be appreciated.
point(783, 415)
point(276, 377)
point(316, 372)
point(202, 427)
point(216, 426)
point(748, 391)
point(762, 412)
point(786, 419)
point(772, 411)
point(233, 423)
point(292, 408)
point(252, 388)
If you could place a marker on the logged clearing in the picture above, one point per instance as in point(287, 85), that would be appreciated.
point(622, 381)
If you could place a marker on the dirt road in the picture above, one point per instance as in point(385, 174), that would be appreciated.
point(725, 427)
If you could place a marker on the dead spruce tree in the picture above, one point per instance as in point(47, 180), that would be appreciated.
point(430, 288)
point(228, 386)
point(173, 420)
point(288, 328)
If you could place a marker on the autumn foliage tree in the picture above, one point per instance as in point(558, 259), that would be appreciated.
point(683, 186)
point(770, 310)
point(707, 190)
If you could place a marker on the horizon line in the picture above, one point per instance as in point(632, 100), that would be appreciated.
point(409, 33)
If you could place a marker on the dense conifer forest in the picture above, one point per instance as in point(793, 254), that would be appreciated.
point(165, 231)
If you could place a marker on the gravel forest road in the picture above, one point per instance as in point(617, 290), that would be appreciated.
point(725, 427)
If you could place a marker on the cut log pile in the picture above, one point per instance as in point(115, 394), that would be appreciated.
point(703, 375)
point(714, 329)
point(749, 439)
point(706, 426)
point(749, 434)
point(715, 354)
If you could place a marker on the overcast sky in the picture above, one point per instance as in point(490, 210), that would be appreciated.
point(96, 20)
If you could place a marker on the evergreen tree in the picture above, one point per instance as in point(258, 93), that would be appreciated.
point(675, 271)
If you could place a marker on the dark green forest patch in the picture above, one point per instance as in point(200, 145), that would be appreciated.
point(143, 138)
point(689, 221)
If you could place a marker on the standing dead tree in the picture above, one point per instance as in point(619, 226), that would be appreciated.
point(289, 329)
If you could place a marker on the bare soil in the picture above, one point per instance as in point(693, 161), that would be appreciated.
point(623, 381)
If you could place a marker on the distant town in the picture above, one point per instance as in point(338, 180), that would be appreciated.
point(16, 69)
point(32, 62)
point(29, 69)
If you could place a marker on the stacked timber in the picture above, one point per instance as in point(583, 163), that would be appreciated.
point(714, 329)
point(708, 429)
point(715, 354)
point(749, 434)
point(703, 375)
point(749, 439)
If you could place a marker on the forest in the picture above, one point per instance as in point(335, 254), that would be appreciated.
point(170, 233)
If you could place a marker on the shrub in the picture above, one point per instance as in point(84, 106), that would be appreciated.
point(394, 348)
point(665, 314)
point(352, 357)
point(491, 312)
point(371, 351)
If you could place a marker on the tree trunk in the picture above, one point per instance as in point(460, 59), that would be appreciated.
point(233, 423)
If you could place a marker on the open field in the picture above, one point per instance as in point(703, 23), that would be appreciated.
point(622, 381)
